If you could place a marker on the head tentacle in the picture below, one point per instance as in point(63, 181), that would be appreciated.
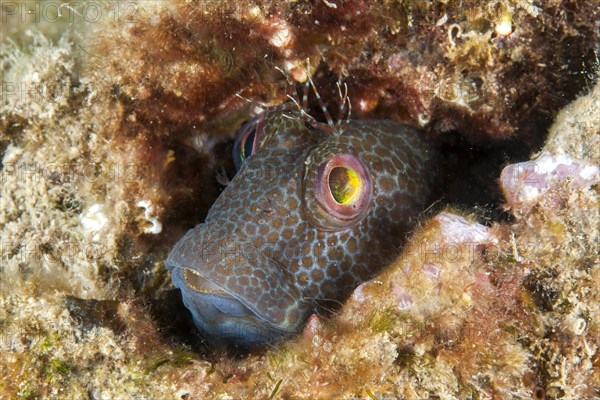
point(332, 126)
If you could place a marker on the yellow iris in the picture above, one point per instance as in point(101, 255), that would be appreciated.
point(344, 184)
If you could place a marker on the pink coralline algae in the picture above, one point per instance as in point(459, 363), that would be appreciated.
point(524, 182)
point(402, 296)
point(457, 229)
point(456, 241)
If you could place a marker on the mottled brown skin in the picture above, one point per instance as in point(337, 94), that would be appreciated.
point(269, 255)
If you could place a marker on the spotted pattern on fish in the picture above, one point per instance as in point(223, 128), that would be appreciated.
point(277, 246)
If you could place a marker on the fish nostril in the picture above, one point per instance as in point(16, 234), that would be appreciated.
point(267, 206)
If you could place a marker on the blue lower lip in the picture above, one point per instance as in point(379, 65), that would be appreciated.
point(219, 315)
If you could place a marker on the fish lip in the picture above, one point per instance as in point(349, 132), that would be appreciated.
point(232, 295)
point(188, 253)
point(230, 325)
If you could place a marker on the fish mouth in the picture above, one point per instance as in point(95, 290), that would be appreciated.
point(221, 314)
point(222, 301)
point(237, 297)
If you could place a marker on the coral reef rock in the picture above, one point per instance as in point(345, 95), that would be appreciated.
point(115, 118)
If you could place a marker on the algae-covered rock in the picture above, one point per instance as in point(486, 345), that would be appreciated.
point(115, 118)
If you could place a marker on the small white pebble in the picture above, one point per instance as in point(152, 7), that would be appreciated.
point(504, 28)
point(94, 220)
point(156, 226)
point(530, 193)
point(590, 173)
point(575, 324)
point(442, 20)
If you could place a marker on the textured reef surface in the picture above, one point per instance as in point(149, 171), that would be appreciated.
point(116, 127)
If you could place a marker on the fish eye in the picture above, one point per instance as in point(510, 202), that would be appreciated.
point(341, 192)
point(344, 185)
point(247, 140)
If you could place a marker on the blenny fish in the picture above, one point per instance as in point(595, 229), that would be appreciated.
point(313, 210)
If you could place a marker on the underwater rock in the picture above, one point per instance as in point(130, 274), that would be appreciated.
point(91, 313)
point(140, 110)
point(556, 237)
point(525, 182)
